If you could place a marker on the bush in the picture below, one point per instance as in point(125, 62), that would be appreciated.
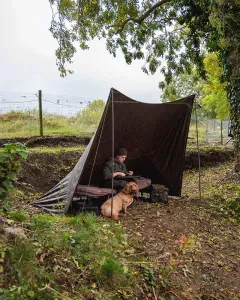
point(233, 205)
point(10, 159)
point(92, 114)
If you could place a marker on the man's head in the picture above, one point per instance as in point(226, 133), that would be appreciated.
point(121, 154)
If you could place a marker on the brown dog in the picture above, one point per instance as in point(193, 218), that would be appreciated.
point(120, 201)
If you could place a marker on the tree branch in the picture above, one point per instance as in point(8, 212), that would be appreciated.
point(142, 17)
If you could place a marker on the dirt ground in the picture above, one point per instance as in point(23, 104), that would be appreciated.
point(192, 237)
point(42, 171)
point(191, 245)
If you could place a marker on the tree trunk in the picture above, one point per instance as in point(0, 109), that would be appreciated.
point(234, 98)
point(237, 162)
point(230, 55)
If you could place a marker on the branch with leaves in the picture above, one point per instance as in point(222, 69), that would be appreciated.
point(140, 19)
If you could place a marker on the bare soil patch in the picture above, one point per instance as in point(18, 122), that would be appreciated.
point(191, 236)
point(42, 171)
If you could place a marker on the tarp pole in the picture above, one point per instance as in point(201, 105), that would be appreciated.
point(112, 152)
point(199, 165)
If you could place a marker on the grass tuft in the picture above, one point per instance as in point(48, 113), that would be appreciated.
point(18, 216)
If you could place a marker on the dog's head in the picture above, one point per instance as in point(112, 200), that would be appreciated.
point(131, 188)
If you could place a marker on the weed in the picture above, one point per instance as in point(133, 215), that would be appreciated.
point(42, 222)
point(149, 275)
point(188, 244)
point(163, 276)
point(233, 205)
point(18, 216)
point(111, 269)
point(23, 276)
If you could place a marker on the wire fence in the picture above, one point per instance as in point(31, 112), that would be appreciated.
point(52, 104)
point(20, 114)
point(20, 117)
point(211, 131)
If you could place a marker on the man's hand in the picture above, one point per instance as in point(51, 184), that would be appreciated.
point(119, 174)
point(130, 172)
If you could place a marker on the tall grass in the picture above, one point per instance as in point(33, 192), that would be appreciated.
point(193, 134)
point(24, 124)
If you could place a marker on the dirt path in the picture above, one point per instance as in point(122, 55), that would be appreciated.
point(193, 246)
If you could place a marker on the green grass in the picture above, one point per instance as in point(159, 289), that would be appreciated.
point(18, 215)
point(201, 133)
point(72, 257)
point(23, 124)
point(55, 149)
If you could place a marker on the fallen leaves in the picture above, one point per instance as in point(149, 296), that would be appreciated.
point(200, 241)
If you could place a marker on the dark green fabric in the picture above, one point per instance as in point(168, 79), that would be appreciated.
point(112, 167)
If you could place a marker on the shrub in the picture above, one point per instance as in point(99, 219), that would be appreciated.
point(233, 205)
point(92, 114)
point(10, 159)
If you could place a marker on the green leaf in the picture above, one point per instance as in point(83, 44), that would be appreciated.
point(8, 185)
point(23, 154)
point(2, 191)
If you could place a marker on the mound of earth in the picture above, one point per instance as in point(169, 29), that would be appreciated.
point(49, 141)
point(42, 171)
point(208, 157)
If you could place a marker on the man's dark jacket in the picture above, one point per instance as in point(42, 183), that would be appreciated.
point(111, 167)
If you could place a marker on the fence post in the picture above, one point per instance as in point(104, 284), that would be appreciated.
point(207, 131)
point(40, 112)
point(221, 132)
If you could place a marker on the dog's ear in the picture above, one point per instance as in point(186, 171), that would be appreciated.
point(130, 188)
point(132, 185)
point(126, 188)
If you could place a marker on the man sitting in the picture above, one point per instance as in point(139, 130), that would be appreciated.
point(116, 169)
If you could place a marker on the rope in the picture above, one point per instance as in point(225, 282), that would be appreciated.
point(199, 165)
point(112, 150)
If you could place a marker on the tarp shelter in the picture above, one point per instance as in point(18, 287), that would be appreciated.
point(155, 136)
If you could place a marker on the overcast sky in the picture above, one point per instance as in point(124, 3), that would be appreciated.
point(27, 60)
